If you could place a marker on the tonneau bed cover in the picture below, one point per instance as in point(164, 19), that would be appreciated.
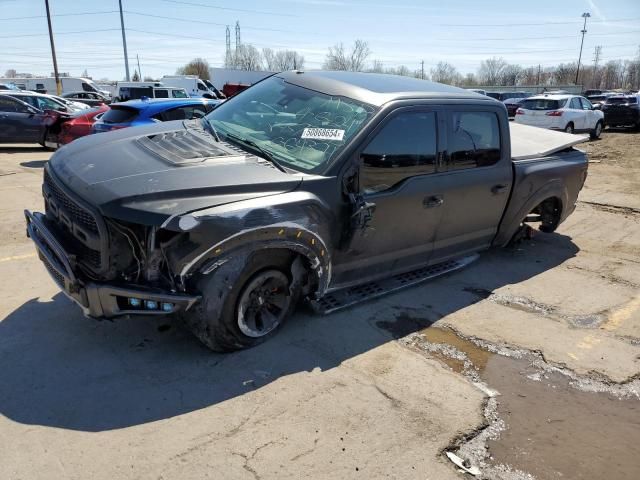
point(533, 142)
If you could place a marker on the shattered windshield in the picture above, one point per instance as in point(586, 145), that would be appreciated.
point(300, 128)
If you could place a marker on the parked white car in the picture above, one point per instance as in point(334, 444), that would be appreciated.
point(570, 113)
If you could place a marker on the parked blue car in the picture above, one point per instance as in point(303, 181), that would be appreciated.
point(149, 111)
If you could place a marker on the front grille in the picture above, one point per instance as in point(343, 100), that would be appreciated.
point(57, 276)
point(79, 215)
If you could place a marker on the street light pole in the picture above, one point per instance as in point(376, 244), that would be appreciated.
point(124, 43)
point(53, 52)
point(585, 15)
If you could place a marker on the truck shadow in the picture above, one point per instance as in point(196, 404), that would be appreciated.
point(62, 370)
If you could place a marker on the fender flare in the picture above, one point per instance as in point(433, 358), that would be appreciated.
point(289, 236)
point(553, 189)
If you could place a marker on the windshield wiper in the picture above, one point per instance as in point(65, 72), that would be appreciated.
point(251, 144)
point(211, 128)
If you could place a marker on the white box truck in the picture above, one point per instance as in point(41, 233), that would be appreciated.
point(195, 87)
point(48, 85)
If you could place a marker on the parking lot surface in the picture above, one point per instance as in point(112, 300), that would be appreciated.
point(526, 364)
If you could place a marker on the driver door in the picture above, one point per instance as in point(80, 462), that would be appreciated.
point(18, 124)
point(399, 181)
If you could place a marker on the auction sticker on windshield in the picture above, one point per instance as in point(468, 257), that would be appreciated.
point(323, 134)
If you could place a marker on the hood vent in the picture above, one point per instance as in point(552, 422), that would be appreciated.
point(183, 147)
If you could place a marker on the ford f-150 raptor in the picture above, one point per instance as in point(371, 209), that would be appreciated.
point(329, 186)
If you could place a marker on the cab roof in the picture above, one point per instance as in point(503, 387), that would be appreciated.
point(375, 88)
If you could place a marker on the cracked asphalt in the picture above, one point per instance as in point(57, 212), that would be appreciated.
point(525, 364)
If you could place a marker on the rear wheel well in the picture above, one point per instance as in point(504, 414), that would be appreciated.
point(548, 213)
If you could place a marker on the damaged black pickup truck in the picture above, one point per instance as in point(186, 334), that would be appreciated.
point(334, 187)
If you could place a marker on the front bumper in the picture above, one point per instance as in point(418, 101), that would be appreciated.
point(98, 300)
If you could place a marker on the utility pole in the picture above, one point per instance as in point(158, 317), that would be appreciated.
point(422, 69)
point(227, 54)
point(124, 43)
point(538, 79)
point(139, 71)
point(585, 15)
point(595, 81)
point(237, 36)
point(53, 52)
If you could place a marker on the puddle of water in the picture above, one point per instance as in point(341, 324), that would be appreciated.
point(475, 354)
point(556, 431)
point(553, 430)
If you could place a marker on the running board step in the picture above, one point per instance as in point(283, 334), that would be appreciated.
point(347, 297)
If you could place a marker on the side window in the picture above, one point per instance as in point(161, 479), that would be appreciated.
point(8, 105)
point(575, 104)
point(586, 104)
point(405, 147)
point(86, 87)
point(31, 100)
point(474, 140)
point(161, 94)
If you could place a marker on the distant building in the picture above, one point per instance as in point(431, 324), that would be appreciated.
point(220, 76)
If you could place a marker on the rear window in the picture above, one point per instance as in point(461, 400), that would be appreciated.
point(543, 104)
point(621, 100)
point(119, 114)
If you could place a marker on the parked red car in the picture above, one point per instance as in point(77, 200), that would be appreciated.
point(77, 126)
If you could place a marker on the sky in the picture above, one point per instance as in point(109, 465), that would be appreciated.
point(166, 34)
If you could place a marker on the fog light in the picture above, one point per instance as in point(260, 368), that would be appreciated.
point(167, 307)
point(135, 302)
point(150, 304)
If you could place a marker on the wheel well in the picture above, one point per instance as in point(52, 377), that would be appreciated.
point(548, 213)
point(300, 269)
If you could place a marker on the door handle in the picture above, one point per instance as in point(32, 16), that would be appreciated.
point(433, 201)
point(498, 189)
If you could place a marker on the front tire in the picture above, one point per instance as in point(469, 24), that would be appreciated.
point(596, 132)
point(569, 128)
point(243, 306)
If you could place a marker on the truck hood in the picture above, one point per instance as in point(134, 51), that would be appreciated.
point(146, 174)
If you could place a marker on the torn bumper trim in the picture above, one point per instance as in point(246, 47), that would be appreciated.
point(99, 300)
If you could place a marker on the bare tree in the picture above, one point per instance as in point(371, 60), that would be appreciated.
point(288, 60)
point(268, 57)
point(444, 72)
point(245, 57)
point(469, 80)
point(11, 73)
point(511, 74)
point(564, 73)
point(338, 59)
point(376, 67)
point(359, 55)
point(197, 66)
point(490, 71)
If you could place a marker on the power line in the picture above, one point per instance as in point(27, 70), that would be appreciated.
point(206, 22)
point(193, 4)
point(59, 15)
point(61, 33)
point(530, 24)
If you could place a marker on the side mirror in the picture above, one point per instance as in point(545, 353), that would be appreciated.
point(597, 106)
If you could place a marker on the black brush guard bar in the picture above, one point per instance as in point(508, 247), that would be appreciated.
point(99, 300)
